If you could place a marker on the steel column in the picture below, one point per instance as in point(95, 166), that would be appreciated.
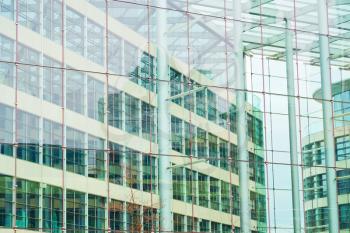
point(241, 119)
point(165, 175)
point(327, 110)
point(292, 129)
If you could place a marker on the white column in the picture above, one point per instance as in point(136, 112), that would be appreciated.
point(241, 119)
point(292, 130)
point(327, 110)
point(165, 177)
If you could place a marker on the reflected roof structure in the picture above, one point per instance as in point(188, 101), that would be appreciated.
point(205, 28)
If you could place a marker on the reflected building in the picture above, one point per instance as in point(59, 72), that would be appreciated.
point(315, 184)
point(78, 129)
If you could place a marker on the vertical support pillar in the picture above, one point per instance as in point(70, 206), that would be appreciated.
point(63, 124)
point(207, 146)
point(292, 129)
point(165, 177)
point(41, 203)
point(86, 220)
point(123, 152)
point(41, 140)
point(220, 195)
point(184, 183)
point(122, 49)
point(183, 133)
point(140, 158)
point(86, 154)
point(241, 119)
point(64, 163)
point(106, 151)
point(140, 117)
point(123, 111)
point(141, 213)
point(197, 189)
point(185, 228)
point(15, 126)
point(138, 67)
point(208, 192)
point(327, 110)
point(41, 160)
point(41, 93)
point(125, 224)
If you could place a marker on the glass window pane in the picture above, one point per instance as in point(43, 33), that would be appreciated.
point(75, 217)
point(52, 81)
point(52, 20)
point(115, 54)
point(52, 209)
point(5, 201)
point(75, 82)
point(52, 144)
point(132, 168)
point(95, 99)
point(6, 130)
point(96, 158)
point(116, 163)
point(115, 111)
point(147, 72)
point(95, 42)
point(7, 9)
point(28, 136)
point(116, 215)
point(149, 176)
point(97, 221)
point(27, 205)
point(132, 118)
point(176, 134)
point(133, 217)
point(28, 73)
point(75, 29)
point(29, 14)
point(75, 152)
point(148, 126)
point(6, 54)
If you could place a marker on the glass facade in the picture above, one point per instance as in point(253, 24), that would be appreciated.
point(80, 135)
point(315, 184)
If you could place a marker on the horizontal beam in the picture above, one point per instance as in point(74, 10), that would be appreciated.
point(186, 93)
point(189, 163)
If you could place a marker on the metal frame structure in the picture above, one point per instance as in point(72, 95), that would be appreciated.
point(320, 40)
point(247, 13)
point(207, 42)
point(278, 16)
